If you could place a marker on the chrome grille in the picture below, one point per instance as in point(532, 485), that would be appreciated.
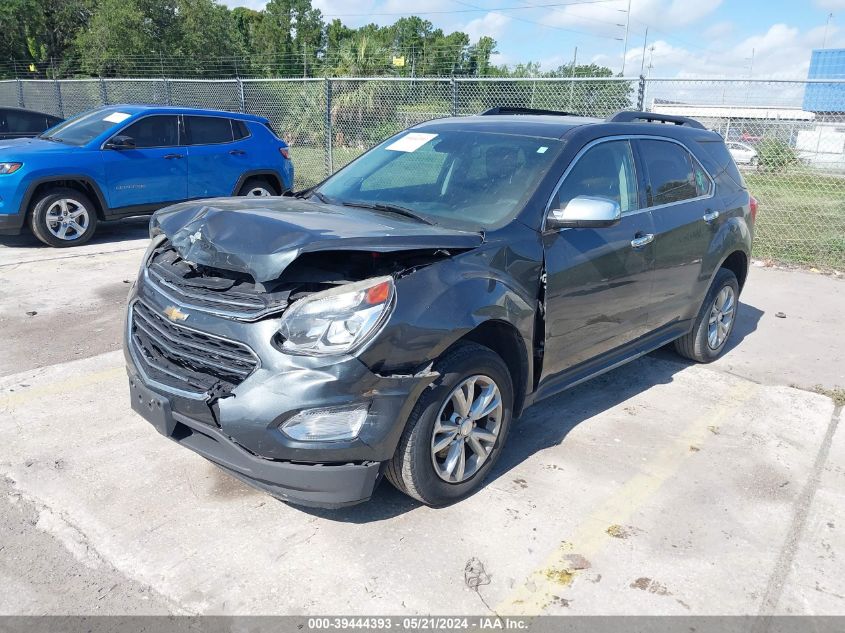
point(175, 353)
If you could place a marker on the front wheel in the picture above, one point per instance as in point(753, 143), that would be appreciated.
point(715, 321)
point(457, 429)
point(258, 188)
point(63, 217)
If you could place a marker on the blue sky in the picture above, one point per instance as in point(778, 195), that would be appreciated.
point(690, 38)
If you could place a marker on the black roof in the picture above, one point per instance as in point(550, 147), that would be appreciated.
point(555, 126)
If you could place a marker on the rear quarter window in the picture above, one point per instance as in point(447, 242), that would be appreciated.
point(717, 159)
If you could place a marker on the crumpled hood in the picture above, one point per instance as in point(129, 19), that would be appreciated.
point(261, 237)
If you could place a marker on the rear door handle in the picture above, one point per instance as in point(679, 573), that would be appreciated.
point(237, 152)
point(639, 242)
point(172, 156)
point(710, 216)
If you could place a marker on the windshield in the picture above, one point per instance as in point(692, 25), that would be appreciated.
point(85, 127)
point(470, 180)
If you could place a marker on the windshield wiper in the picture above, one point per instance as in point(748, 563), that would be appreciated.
point(389, 208)
point(51, 138)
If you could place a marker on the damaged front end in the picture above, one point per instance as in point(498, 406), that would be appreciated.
point(259, 372)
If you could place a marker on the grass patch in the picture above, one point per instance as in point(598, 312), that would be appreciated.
point(837, 394)
point(801, 218)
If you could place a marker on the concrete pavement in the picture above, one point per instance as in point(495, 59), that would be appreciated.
point(661, 487)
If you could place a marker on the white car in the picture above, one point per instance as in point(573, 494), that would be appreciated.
point(742, 154)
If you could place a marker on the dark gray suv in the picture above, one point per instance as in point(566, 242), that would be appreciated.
point(394, 319)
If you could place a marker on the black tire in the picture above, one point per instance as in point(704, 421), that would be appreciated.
point(42, 204)
point(258, 183)
point(412, 469)
point(695, 344)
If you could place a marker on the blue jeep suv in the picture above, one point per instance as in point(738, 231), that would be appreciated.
point(127, 160)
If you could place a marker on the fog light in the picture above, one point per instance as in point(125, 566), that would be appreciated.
point(330, 423)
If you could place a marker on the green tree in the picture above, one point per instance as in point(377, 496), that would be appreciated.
point(206, 45)
point(118, 36)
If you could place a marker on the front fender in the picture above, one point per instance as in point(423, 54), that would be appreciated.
point(439, 304)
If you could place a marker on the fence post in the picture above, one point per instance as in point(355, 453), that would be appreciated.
point(59, 97)
point(454, 97)
point(104, 95)
point(20, 93)
point(167, 99)
point(241, 94)
point(641, 94)
point(328, 126)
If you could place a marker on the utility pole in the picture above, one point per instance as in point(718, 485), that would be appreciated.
point(642, 61)
point(826, 25)
point(625, 46)
point(650, 60)
point(751, 67)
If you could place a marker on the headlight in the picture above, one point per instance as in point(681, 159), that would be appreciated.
point(10, 168)
point(336, 321)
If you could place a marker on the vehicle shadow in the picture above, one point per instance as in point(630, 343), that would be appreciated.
point(124, 230)
point(547, 423)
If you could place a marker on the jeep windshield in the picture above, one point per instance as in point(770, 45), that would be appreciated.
point(84, 128)
point(461, 179)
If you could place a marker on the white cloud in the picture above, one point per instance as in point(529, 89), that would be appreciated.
point(492, 24)
point(831, 5)
point(604, 18)
point(719, 30)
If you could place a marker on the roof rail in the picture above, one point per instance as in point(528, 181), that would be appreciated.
point(515, 110)
point(628, 116)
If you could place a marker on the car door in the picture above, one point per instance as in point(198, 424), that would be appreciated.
point(154, 171)
point(685, 211)
point(598, 281)
point(216, 159)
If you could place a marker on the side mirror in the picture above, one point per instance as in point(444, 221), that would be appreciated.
point(585, 212)
point(121, 142)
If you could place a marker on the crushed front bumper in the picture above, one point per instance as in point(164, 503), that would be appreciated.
point(240, 429)
point(320, 485)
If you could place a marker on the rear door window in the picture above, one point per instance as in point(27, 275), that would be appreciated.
point(208, 130)
point(154, 131)
point(671, 177)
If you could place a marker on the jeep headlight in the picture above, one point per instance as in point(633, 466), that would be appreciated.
point(10, 168)
point(338, 320)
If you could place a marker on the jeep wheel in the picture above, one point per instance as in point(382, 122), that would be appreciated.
point(456, 430)
point(257, 188)
point(63, 217)
point(715, 322)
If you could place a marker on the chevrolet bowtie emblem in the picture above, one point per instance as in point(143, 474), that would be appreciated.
point(175, 314)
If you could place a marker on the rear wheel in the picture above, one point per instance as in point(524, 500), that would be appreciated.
point(258, 188)
point(715, 321)
point(63, 217)
point(456, 430)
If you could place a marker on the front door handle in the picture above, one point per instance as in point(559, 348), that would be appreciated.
point(642, 240)
point(172, 156)
point(710, 216)
point(237, 152)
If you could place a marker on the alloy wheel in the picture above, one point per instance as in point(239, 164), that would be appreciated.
point(466, 429)
point(67, 219)
point(258, 192)
point(721, 317)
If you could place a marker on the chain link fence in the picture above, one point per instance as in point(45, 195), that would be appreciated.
point(788, 137)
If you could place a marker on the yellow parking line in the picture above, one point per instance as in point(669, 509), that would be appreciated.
point(66, 385)
point(562, 566)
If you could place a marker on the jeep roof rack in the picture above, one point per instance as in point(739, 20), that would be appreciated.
point(517, 110)
point(629, 116)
